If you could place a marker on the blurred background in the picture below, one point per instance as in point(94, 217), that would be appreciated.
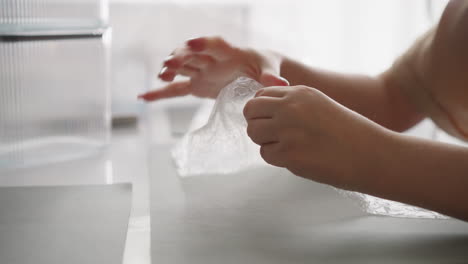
point(361, 36)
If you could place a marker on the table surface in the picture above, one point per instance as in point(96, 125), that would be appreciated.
point(53, 224)
point(125, 160)
point(259, 216)
point(267, 215)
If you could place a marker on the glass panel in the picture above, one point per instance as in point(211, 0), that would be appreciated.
point(54, 99)
point(17, 14)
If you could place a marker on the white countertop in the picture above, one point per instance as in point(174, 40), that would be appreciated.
point(269, 216)
point(260, 216)
point(125, 160)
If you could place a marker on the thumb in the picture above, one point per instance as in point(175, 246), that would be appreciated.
point(270, 79)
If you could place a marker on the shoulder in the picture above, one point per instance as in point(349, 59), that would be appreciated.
point(454, 20)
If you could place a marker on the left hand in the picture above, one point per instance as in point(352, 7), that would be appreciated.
point(305, 131)
point(211, 63)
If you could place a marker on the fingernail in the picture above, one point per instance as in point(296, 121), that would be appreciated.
point(195, 44)
point(258, 92)
point(163, 70)
point(169, 61)
point(286, 81)
point(168, 58)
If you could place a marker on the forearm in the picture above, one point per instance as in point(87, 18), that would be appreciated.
point(374, 97)
point(420, 172)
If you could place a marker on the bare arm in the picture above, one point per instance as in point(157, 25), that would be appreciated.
point(434, 73)
point(420, 172)
point(377, 98)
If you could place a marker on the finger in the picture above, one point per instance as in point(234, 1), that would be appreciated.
point(274, 91)
point(188, 71)
point(213, 46)
point(268, 78)
point(272, 155)
point(261, 107)
point(200, 61)
point(262, 131)
point(167, 74)
point(178, 58)
point(171, 90)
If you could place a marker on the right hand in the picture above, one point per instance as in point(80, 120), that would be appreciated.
point(211, 63)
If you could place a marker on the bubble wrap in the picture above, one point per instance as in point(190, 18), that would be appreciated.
point(222, 145)
point(378, 206)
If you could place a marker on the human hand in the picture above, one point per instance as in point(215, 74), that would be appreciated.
point(211, 63)
point(313, 136)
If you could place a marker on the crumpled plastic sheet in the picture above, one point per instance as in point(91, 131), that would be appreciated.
point(222, 146)
point(379, 206)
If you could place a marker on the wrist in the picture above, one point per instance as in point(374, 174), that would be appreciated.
point(276, 60)
point(378, 153)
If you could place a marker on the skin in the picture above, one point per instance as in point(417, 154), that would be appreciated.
point(333, 128)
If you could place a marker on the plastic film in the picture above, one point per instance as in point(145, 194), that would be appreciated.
point(222, 145)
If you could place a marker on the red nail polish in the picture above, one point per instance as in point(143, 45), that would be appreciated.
point(170, 63)
point(195, 44)
point(168, 58)
point(163, 70)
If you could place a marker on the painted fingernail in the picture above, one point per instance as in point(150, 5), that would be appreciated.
point(170, 61)
point(286, 82)
point(195, 44)
point(168, 58)
point(163, 70)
